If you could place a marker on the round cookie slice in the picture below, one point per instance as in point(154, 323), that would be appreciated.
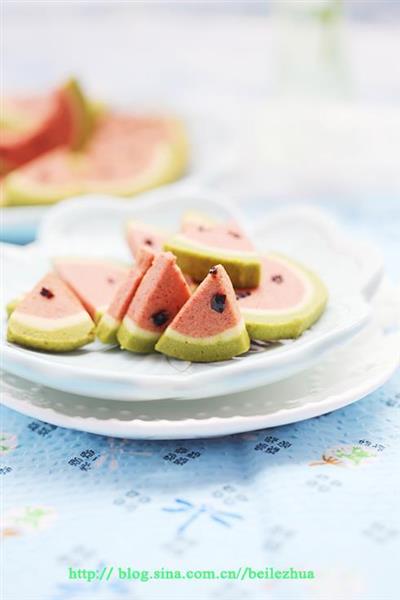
point(288, 301)
point(209, 327)
point(50, 317)
point(12, 305)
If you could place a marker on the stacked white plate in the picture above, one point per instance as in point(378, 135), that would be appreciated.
point(348, 353)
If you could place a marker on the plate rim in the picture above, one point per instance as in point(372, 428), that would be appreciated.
point(357, 246)
point(199, 428)
point(16, 358)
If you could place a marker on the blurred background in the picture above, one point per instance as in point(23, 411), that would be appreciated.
point(294, 100)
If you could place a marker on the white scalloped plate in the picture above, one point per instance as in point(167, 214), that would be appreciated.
point(355, 370)
point(93, 226)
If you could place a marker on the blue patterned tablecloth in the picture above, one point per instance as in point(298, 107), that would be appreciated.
point(321, 496)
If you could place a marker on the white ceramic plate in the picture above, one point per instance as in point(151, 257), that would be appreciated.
point(352, 372)
point(93, 226)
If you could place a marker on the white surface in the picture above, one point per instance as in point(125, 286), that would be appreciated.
point(94, 227)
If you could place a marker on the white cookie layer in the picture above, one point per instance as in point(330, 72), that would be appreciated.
point(224, 336)
point(47, 324)
point(134, 329)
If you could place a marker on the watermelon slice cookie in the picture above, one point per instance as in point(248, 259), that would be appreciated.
point(139, 234)
point(161, 294)
point(200, 246)
point(210, 326)
point(31, 127)
point(111, 320)
point(288, 301)
point(124, 156)
point(50, 317)
point(94, 281)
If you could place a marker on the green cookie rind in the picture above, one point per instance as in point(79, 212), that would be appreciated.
point(135, 342)
point(193, 351)
point(243, 272)
point(107, 332)
point(83, 113)
point(270, 327)
point(98, 315)
point(18, 191)
point(12, 305)
point(57, 340)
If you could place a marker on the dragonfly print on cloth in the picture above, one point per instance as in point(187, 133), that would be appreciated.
point(117, 451)
point(195, 511)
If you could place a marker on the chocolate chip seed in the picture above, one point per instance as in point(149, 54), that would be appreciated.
point(242, 294)
point(160, 318)
point(148, 242)
point(277, 278)
point(213, 271)
point(218, 303)
point(46, 293)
